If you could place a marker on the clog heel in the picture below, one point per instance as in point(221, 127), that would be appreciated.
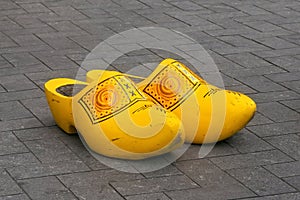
point(59, 97)
point(114, 117)
point(208, 113)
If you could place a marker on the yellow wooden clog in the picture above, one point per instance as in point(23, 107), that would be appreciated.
point(208, 113)
point(114, 117)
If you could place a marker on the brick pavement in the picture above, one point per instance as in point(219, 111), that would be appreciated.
point(256, 44)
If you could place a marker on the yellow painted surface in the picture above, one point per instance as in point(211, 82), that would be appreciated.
point(208, 113)
point(115, 118)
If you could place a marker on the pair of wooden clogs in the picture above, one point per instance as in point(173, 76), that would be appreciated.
point(121, 119)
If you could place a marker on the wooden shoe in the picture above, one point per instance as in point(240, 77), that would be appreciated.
point(114, 117)
point(208, 113)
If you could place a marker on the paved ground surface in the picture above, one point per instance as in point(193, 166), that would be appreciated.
point(256, 45)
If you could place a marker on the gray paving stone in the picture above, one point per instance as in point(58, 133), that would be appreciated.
point(7, 5)
point(241, 88)
point(34, 7)
point(17, 83)
point(212, 192)
point(13, 110)
point(24, 49)
point(39, 107)
point(277, 53)
point(260, 17)
point(7, 71)
point(153, 196)
point(238, 41)
point(4, 63)
point(276, 43)
point(89, 42)
point(220, 149)
point(20, 95)
point(215, 45)
point(27, 40)
point(266, 70)
point(48, 188)
point(2, 89)
point(275, 33)
point(38, 133)
point(294, 104)
point(289, 144)
point(15, 197)
point(69, 73)
point(246, 142)
point(248, 60)
point(29, 22)
point(76, 4)
point(65, 26)
point(264, 97)
point(280, 169)
point(161, 18)
point(74, 143)
point(8, 24)
point(50, 150)
point(278, 112)
point(221, 8)
point(254, 10)
point(288, 63)
point(6, 41)
point(294, 38)
point(47, 169)
point(259, 119)
point(12, 160)
point(187, 5)
point(224, 64)
point(294, 181)
point(282, 77)
point(297, 56)
point(94, 184)
point(276, 6)
point(118, 26)
point(69, 12)
point(33, 29)
point(156, 4)
point(93, 12)
point(292, 26)
point(153, 185)
point(294, 85)
point(7, 184)
point(242, 49)
point(261, 181)
point(290, 196)
point(275, 128)
point(21, 59)
point(97, 27)
point(209, 176)
point(131, 5)
point(261, 84)
point(4, 13)
point(235, 14)
point(262, 26)
point(60, 42)
point(228, 81)
point(166, 171)
point(288, 13)
point(9, 144)
point(251, 159)
point(189, 18)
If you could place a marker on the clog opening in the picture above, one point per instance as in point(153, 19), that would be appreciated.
point(70, 90)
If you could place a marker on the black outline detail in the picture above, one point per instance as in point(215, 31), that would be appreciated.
point(100, 119)
point(184, 97)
